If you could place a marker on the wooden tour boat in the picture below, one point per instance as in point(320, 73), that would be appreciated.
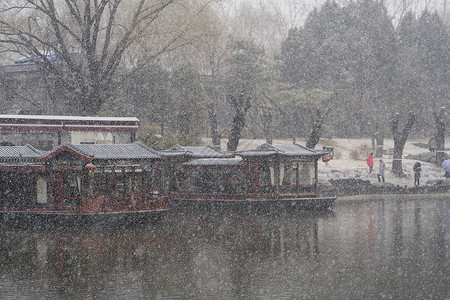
point(86, 182)
point(269, 176)
point(100, 182)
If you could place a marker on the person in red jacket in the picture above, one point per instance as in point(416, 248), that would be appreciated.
point(370, 162)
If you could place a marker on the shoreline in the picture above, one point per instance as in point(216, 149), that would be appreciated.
point(359, 187)
point(407, 196)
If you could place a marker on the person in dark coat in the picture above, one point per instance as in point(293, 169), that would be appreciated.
point(381, 170)
point(417, 169)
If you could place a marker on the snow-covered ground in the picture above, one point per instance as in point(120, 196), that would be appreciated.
point(344, 166)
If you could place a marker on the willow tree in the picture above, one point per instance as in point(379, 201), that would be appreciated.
point(81, 44)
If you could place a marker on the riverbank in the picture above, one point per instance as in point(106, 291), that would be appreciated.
point(348, 174)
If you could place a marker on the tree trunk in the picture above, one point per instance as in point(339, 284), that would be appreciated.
point(316, 130)
point(439, 120)
point(267, 126)
point(379, 138)
point(214, 133)
point(314, 136)
point(241, 104)
point(400, 137)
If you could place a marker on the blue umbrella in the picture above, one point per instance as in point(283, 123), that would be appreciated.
point(446, 165)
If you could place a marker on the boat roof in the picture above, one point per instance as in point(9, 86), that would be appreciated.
point(195, 151)
point(214, 162)
point(283, 150)
point(89, 152)
point(26, 151)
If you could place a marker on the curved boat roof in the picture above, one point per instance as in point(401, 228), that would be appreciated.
point(89, 152)
point(282, 150)
point(195, 151)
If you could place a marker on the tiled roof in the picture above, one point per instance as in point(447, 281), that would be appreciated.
point(283, 150)
point(214, 162)
point(195, 151)
point(136, 150)
point(26, 151)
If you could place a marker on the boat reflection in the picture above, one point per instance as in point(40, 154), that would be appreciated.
point(395, 248)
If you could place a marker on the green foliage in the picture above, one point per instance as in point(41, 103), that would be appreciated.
point(247, 78)
point(189, 101)
point(295, 107)
point(150, 91)
point(372, 68)
point(172, 102)
point(246, 67)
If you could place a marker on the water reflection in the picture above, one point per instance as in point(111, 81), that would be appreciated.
point(371, 249)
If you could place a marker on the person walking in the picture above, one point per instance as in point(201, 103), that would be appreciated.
point(381, 170)
point(370, 162)
point(432, 144)
point(417, 169)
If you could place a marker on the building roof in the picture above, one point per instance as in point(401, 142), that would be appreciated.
point(32, 59)
point(195, 151)
point(214, 162)
point(26, 151)
point(283, 150)
point(67, 123)
point(89, 152)
point(69, 118)
point(10, 69)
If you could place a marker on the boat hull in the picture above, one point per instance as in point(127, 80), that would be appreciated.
point(32, 218)
point(321, 203)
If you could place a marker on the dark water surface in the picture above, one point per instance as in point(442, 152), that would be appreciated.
point(377, 248)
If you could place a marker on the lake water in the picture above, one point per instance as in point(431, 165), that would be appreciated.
point(377, 248)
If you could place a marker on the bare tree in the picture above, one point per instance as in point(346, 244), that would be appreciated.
point(81, 43)
point(400, 137)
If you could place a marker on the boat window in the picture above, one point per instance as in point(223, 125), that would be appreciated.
point(150, 186)
point(307, 173)
point(288, 178)
point(170, 179)
point(137, 184)
point(229, 182)
point(105, 185)
point(71, 185)
point(122, 187)
point(201, 181)
point(265, 176)
point(288, 173)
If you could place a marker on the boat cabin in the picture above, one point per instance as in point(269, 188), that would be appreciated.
point(266, 172)
point(117, 177)
point(171, 166)
point(281, 171)
point(23, 180)
point(214, 178)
